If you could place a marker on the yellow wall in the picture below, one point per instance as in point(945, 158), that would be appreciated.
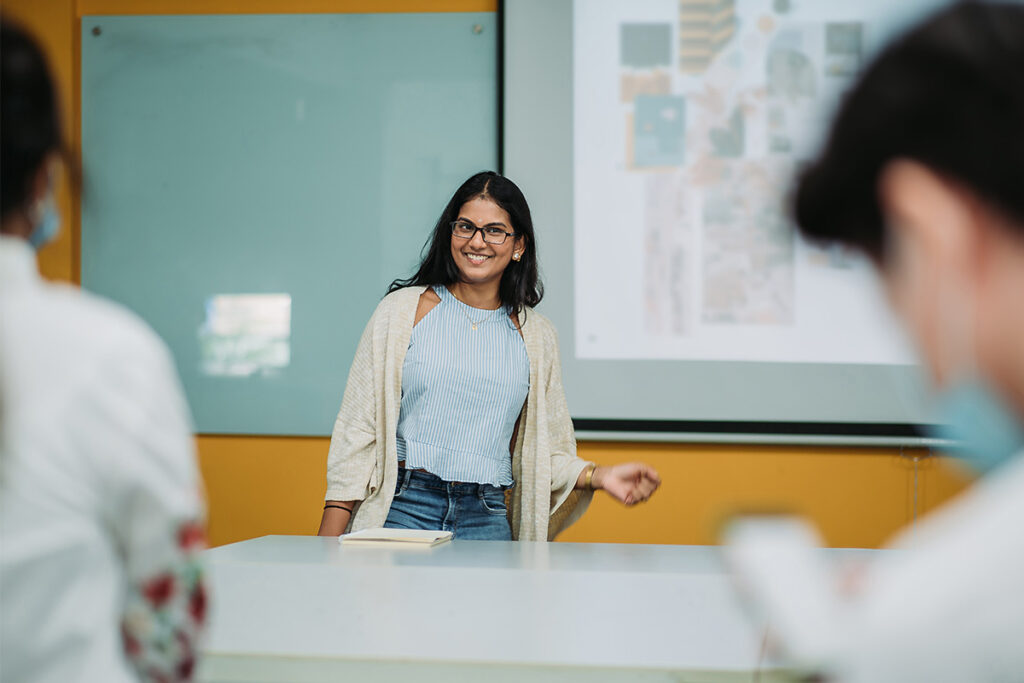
point(275, 485)
point(858, 497)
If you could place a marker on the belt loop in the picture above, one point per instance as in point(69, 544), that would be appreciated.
point(406, 477)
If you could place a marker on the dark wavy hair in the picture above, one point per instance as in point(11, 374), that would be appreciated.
point(950, 95)
point(520, 283)
point(29, 121)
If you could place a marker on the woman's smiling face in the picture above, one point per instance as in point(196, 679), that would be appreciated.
point(480, 262)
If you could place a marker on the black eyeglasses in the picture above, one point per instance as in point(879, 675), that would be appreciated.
point(492, 234)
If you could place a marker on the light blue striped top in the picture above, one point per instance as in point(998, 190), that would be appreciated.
point(462, 392)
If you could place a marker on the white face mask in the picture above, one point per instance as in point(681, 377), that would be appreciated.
point(970, 411)
point(973, 415)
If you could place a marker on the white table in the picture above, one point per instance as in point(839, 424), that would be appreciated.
point(304, 609)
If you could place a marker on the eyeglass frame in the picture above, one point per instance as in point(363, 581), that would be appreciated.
point(480, 229)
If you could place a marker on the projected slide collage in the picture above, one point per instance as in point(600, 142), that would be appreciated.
point(691, 118)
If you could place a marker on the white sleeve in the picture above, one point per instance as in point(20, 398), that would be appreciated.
point(137, 424)
point(140, 428)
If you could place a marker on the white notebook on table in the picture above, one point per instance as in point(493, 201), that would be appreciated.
point(392, 537)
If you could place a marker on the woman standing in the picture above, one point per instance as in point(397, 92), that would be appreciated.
point(454, 403)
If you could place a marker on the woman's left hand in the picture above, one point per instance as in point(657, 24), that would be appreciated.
point(629, 483)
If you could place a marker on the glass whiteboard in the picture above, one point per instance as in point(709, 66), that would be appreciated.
point(254, 182)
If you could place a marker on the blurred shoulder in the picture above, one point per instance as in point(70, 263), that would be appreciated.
point(69, 350)
point(99, 326)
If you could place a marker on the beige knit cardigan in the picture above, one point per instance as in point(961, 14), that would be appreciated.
point(362, 463)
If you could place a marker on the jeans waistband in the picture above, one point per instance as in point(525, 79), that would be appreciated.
point(432, 481)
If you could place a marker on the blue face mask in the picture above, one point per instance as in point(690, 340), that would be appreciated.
point(971, 415)
point(46, 228)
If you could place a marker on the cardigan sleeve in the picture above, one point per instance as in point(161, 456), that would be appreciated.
point(567, 503)
point(352, 459)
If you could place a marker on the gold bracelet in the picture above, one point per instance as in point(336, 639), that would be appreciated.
point(588, 482)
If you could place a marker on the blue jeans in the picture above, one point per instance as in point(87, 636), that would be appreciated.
point(472, 511)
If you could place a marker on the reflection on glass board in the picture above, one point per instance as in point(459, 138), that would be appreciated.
point(246, 334)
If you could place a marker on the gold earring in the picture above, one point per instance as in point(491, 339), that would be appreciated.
point(515, 256)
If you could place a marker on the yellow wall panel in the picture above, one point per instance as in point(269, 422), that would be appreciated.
point(257, 485)
point(940, 480)
point(857, 497)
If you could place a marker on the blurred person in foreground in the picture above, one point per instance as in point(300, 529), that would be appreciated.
point(924, 173)
point(100, 507)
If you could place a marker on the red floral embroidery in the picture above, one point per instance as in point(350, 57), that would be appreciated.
point(191, 536)
point(166, 613)
point(185, 668)
point(197, 603)
point(186, 659)
point(131, 644)
point(159, 590)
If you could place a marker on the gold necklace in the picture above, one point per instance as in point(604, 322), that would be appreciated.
point(484, 319)
point(472, 322)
